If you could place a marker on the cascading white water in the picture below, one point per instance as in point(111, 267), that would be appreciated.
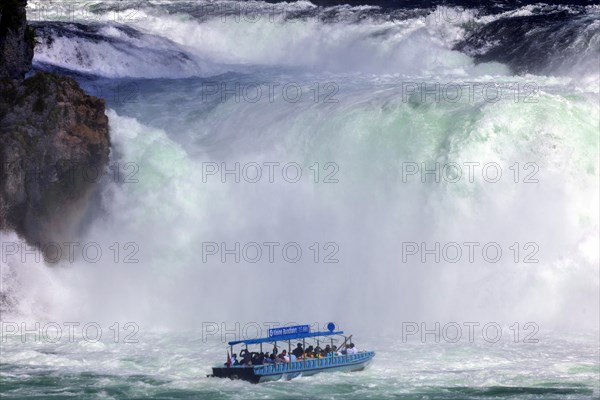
point(371, 133)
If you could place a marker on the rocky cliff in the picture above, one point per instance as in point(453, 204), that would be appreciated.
point(16, 39)
point(54, 140)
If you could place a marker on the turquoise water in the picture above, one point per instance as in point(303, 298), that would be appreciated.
point(171, 365)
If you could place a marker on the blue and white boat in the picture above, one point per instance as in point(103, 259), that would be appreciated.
point(289, 370)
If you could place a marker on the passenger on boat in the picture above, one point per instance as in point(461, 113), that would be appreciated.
point(246, 357)
point(310, 349)
point(269, 359)
point(257, 358)
point(351, 349)
point(234, 360)
point(282, 357)
point(298, 351)
point(317, 352)
point(331, 351)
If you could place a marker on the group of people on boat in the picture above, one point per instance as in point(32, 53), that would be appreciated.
point(248, 358)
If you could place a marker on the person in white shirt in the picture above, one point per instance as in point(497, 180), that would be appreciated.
point(351, 349)
point(284, 356)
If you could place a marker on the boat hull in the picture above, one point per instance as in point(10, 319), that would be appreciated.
point(287, 371)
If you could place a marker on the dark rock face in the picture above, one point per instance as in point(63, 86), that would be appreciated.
point(53, 138)
point(53, 141)
point(543, 43)
point(16, 40)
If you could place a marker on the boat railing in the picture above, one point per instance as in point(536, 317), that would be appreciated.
point(311, 363)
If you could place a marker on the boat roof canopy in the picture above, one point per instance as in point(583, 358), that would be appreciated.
point(279, 338)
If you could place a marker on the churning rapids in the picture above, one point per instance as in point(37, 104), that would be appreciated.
point(291, 162)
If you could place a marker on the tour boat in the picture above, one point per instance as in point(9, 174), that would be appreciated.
point(333, 362)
